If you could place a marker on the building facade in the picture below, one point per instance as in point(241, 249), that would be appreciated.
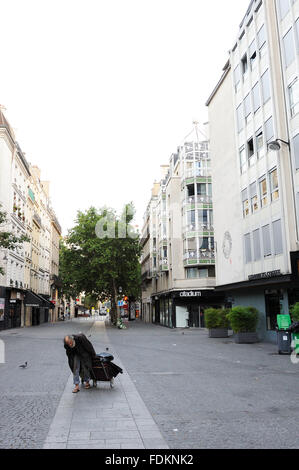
point(253, 139)
point(25, 286)
point(178, 261)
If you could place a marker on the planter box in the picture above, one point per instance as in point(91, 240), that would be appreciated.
point(218, 333)
point(246, 338)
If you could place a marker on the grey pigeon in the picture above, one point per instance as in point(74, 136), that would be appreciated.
point(23, 366)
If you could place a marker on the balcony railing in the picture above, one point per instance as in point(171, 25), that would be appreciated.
point(195, 172)
point(199, 228)
point(199, 254)
point(198, 199)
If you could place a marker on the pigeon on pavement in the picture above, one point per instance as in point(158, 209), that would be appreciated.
point(23, 366)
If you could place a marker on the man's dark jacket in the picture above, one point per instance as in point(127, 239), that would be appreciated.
point(85, 351)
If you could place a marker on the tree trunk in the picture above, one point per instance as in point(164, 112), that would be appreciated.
point(117, 312)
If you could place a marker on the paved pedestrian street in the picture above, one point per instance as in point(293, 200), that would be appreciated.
point(179, 389)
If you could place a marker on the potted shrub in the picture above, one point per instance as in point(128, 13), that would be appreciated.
point(217, 323)
point(244, 321)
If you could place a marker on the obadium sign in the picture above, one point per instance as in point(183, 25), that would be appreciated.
point(190, 293)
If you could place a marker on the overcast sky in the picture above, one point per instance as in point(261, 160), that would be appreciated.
point(101, 92)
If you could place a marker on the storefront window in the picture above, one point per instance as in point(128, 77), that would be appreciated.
point(170, 313)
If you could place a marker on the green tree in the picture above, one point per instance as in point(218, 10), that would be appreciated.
point(100, 255)
point(7, 239)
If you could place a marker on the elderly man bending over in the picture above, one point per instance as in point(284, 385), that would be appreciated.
point(80, 353)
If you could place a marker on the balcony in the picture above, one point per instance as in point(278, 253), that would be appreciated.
point(195, 257)
point(36, 218)
point(164, 264)
point(146, 276)
point(197, 172)
point(191, 230)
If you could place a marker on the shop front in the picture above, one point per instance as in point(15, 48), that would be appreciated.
point(11, 308)
point(184, 309)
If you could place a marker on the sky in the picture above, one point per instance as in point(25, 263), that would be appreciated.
point(100, 93)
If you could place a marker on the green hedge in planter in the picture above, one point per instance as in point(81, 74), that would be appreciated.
point(243, 319)
point(216, 318)
point(295, 312)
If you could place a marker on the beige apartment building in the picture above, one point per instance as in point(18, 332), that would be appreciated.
point(178, 260)
point(25, 286)
point(254, 140)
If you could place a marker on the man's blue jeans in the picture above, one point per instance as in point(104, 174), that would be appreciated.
point(77, 372)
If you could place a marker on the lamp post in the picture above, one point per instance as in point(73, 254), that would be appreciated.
point(275, 146)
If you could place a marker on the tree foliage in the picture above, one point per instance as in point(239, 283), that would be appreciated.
point(8, 240)
point(101, 254)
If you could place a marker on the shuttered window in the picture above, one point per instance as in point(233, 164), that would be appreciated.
point(248, 257)
point(277, 237)
point(266, 240)
point(256, 245)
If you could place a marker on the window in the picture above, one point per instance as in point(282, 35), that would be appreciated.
point(284, 7)
point(266, 240)
point(201, 189)
point(243, 160)
point(240, 117)
point(261, 40)
point(277, 237)
point(244, 64)
point(250, 153)
point(296, 150)
point(237, 76)
point(263, 191)
point(269, 131)
point(259, 143)
point(288, 48)
point(247, 108)
point(245, 203)
point(191, 218)
point(202, 217)
point(252, 54)
point(247, 243)
point(265, 82)
point(256, 97)
point(274, 185)
point(256, 245)
point(191, 273)
point(294, 97)
point(297, 32)
point(253, 197)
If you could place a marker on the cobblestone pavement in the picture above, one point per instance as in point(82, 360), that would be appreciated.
point(212, 393)
point(29, 397)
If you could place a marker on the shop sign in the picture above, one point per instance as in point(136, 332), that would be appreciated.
point(2, 306)
point(190, 293)
point(266, 275)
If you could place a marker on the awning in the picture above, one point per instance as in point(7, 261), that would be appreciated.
point(47, 303)
point(32, 300)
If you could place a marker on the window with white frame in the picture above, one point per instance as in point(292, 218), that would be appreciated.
point(288, 48)
point(293, 89)
point(256, 98)
point(245, 203)
point(240, 117)
point(266, 240)
point(237, 76)
point(252, 54)
point(247, 243)
point(253, 197)
point(284, 8)
point(269, 130)
point(247, 108)
point(273, 177)
point(256, 245)
point(277, 237)
point(263, 191)
point(259, 143)
point(261, 40)
point(250, 152)
point(266, 88)
point(243, 160)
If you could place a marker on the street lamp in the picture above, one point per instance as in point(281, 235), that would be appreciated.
point(275, 146)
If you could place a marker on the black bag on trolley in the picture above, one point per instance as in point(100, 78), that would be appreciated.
point(103, 367)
